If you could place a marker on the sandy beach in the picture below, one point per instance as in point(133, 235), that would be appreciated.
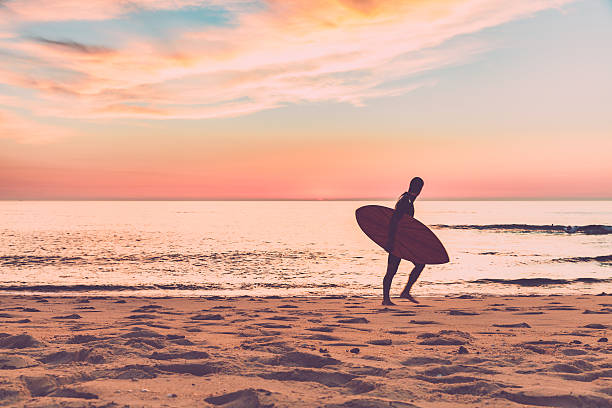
point(305, 352)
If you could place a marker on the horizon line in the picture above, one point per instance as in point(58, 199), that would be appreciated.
point(314, 199)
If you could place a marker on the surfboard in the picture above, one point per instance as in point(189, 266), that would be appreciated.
point(413, 241)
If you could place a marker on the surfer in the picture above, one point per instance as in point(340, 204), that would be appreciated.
point(403, 206)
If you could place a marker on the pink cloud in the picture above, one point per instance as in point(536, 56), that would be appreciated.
point(291, 51)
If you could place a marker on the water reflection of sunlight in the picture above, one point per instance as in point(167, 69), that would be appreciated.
point(267, 248)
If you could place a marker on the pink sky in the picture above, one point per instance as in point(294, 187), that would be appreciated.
point(304, 99)
point(322, 170)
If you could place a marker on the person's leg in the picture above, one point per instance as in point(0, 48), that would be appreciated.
point(414, 275)
point(392, 265)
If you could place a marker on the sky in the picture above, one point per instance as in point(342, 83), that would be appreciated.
point(305, 99)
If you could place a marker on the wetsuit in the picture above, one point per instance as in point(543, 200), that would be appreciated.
point(403, 206)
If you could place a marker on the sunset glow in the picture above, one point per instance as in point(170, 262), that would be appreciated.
point(300, 99)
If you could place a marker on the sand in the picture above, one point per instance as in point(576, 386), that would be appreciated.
point(550, 351)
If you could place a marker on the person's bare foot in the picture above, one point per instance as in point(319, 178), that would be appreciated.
point(388, 302)
point(409, 297)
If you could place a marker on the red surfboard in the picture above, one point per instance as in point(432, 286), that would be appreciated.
point(413, 241)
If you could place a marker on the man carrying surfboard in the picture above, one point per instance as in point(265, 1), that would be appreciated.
point(403, 237)
point(403, 206)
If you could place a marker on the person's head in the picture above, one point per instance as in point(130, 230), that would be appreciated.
point(416, 184)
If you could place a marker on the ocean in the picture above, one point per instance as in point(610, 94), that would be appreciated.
point(296, 248)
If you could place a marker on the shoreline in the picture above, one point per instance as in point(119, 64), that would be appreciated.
point(126, 294)
point(326, 351)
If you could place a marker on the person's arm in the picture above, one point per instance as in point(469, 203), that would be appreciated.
point(398, 213)
point(390, 245)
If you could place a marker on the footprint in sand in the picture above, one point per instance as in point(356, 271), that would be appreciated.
point(207, 317)
point(283, 318)
point(256, 398)
point(321, 337)
point(380, 342)
point(132, 372)
point(327, 378)
point(444, 338)
point(73, 316)
point(423, 322)
point(477, 388)
point(574, 367)
point(300, 359)
point(528, 313)
point(19, 341)
point(442, 341)
point(455, 379)
point(196, 369)
point(457, 312)
point(142, 333)
point(82, 355)
point(273, 325)
point(595, 326)
point(371, 403)
point(602, 311)
point(253, 332)
point(145, 344)
point(323, 329)
point(84, 338)
point(14, 362)
point(558, 308)
point(446, 370)
point(182, 354)
point(41, 386)
point(17, 321)
point(514, 325)
point(351, 382)
point(554, 398)
point(420, 361)
point(142, 316)
point(87, 308)
point(352, 320)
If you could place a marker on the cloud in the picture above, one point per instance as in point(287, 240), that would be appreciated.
point(96, 10)
point(283, 52)
point(74, 46)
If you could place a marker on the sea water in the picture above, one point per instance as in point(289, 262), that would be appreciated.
point(291, 248)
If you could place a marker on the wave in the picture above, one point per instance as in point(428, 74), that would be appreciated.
point(605, 259)
point(226, 257)
point(531, 282)
point(110, 288)
point(170, 286)
point(26, 260)
point(525, 228)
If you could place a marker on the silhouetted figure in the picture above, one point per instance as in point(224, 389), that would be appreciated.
point(403, 206)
